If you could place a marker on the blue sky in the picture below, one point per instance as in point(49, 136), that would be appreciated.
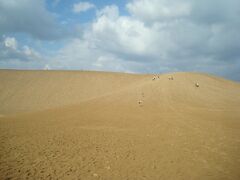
point(136, 36)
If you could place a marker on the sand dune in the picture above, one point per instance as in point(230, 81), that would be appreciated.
point(90, 125)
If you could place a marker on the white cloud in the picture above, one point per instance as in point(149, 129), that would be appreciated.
point(29, 17)
point(158, 36)
point(19, 56)
point(111, 12)
point(119, 34)
point(10, 49)
point(10, 42)
point(30, 52)
point(82, 7)
point(153, 10)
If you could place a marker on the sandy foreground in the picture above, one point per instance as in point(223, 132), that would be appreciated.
point(96, 125)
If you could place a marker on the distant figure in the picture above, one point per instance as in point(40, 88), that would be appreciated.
point(158, 77)
point(170, 78)
point(196, 84)
point(153, 78)
point(47, 67)
point(140, 102)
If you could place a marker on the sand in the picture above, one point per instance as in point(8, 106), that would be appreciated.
point(98, 125)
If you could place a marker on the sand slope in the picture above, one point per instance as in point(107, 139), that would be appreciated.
point(89, 125)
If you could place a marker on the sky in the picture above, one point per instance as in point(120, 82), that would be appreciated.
point(133, 36)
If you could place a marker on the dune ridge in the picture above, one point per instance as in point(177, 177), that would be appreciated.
point(97, 125)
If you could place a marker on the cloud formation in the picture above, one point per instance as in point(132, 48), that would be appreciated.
point(161, 36)
point(10, 42)
point(156, 36)
point(13, 54)
point(82, 7)
point(29, 17)
point(159, 10)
